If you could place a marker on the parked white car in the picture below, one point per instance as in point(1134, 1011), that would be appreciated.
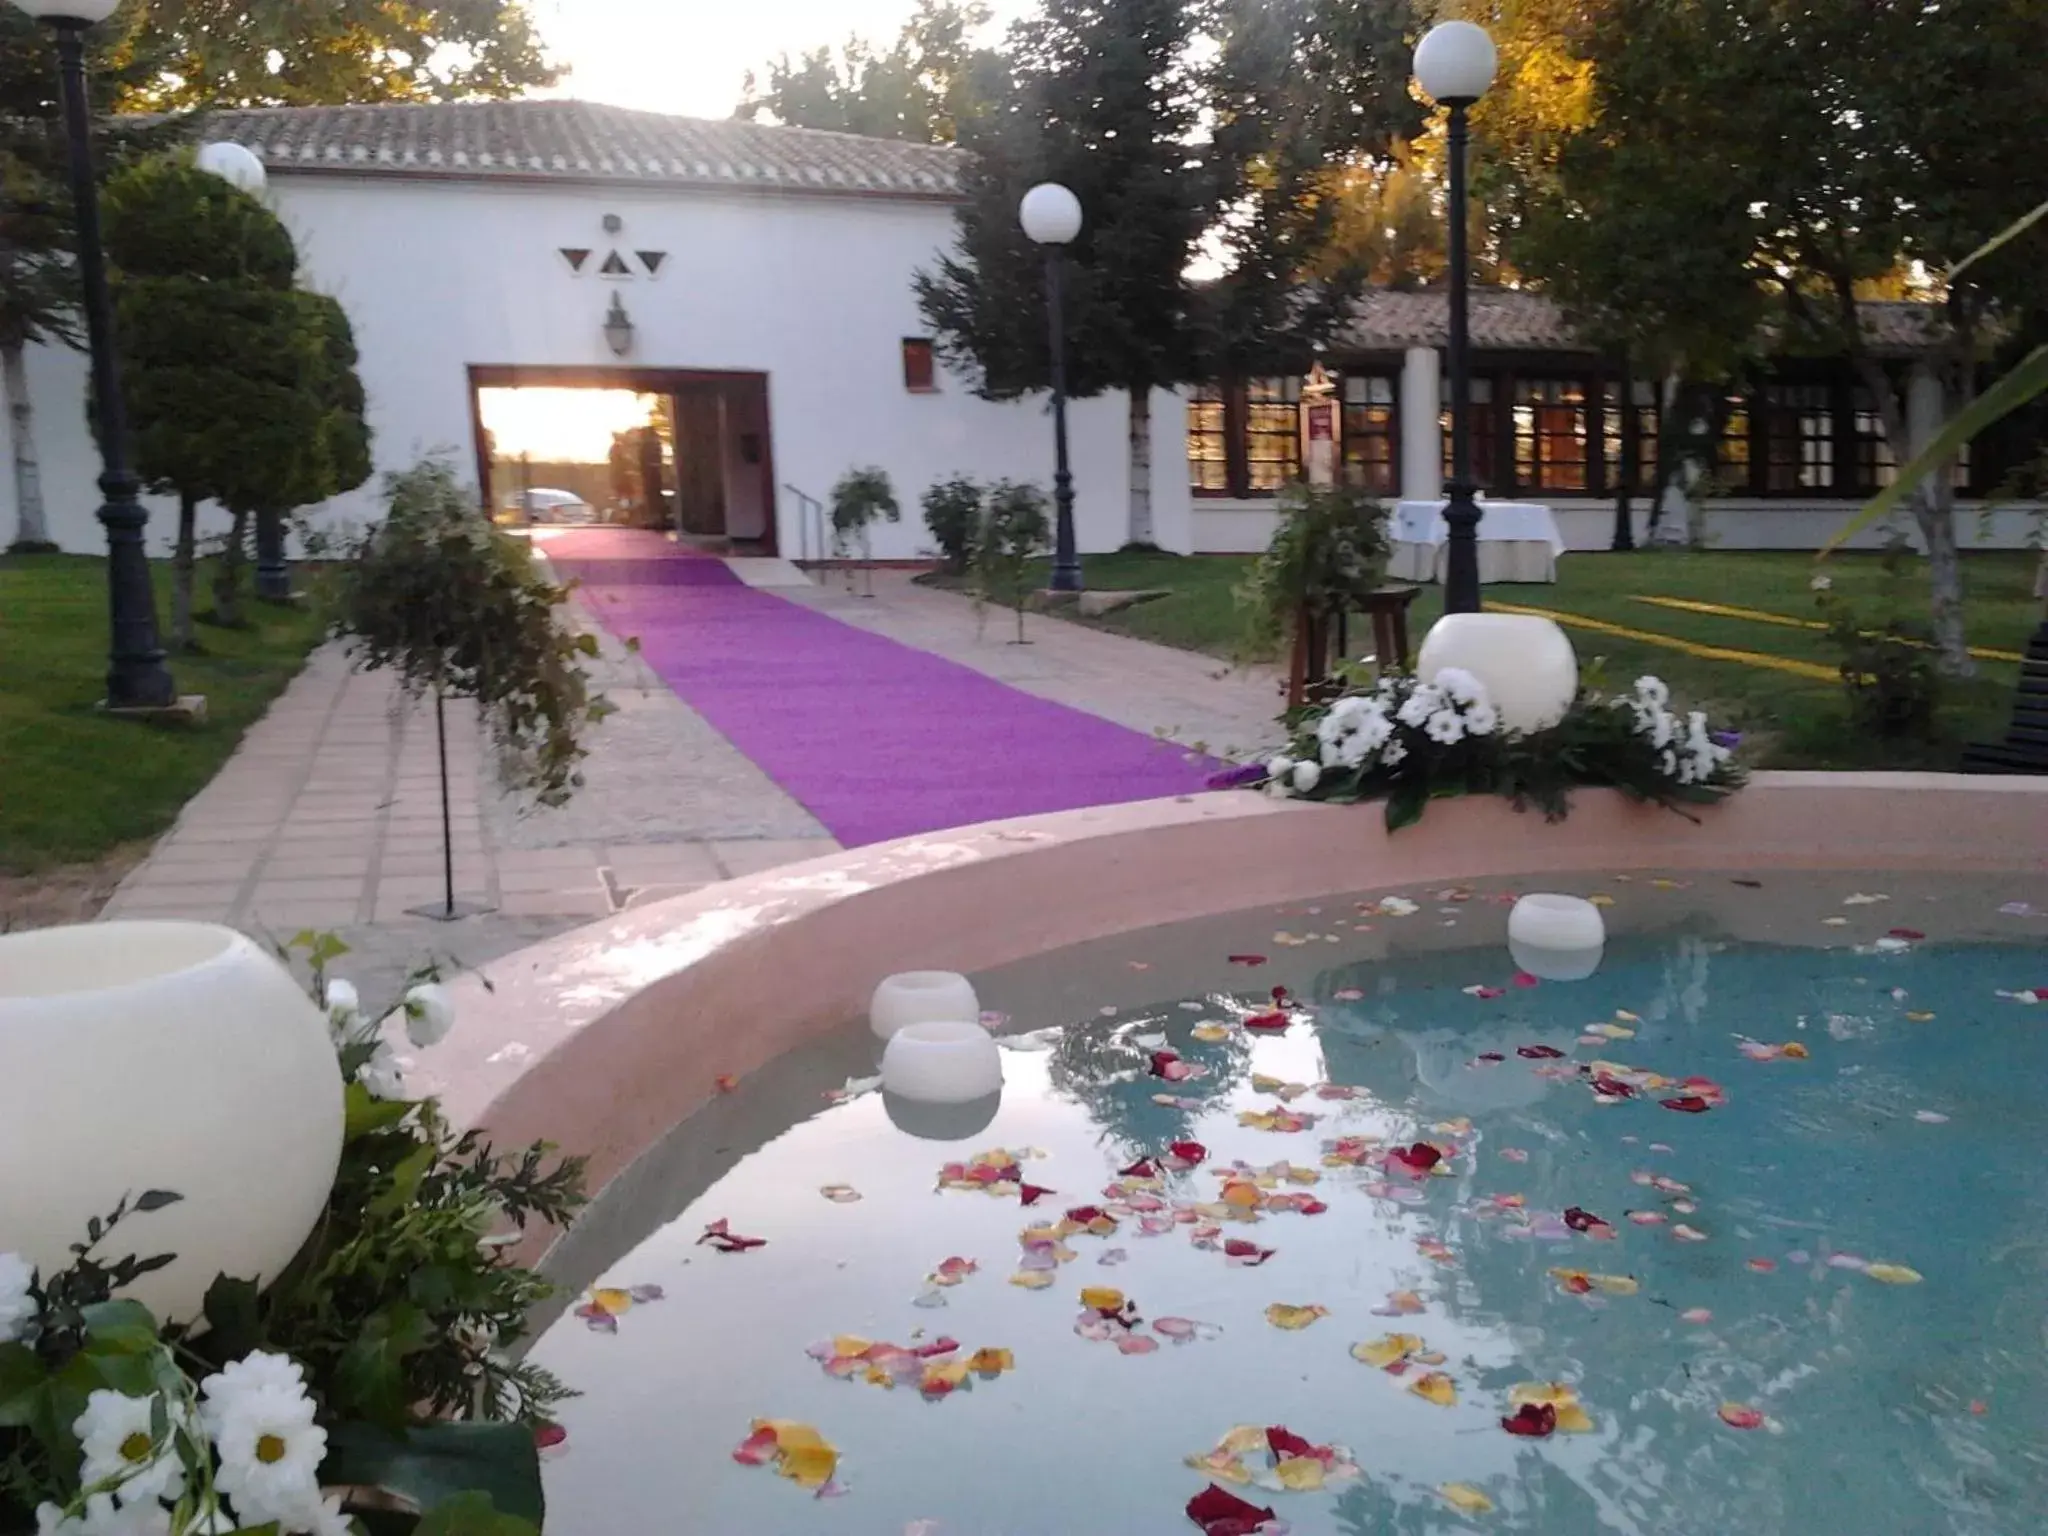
point(550, 506)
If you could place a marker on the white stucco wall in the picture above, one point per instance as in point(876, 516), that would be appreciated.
point(812, 291)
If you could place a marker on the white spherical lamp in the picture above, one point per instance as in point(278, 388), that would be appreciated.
point(1528, 666)
point(162, 1056)
point(1455, 62)
point(233, 164)
point(949, 1063)
point(87, 11)
point(1050, 214)
point(922, 997)
point(1556, 938)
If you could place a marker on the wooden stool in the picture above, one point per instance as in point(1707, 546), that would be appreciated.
point(1388, 610)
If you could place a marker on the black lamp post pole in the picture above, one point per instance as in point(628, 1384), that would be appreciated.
point(1066, 559)
point(1461, 513)
point(136, 675)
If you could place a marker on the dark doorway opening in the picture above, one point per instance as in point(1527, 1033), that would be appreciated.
point(685, 451)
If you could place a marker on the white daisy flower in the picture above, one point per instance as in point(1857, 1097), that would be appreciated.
point(1461, 685)
point(119, 1444)
point(342, 997)
point(1393, 752)
point(1821, 584)
point(1280, 767)
point(429, 1014)
point(17, 1306)
point(253, 1372)
point(270, 1451)
point(1420, 705)
point(1306, 777)
point(381, 1074)
point(1482, 719)
point(1445, 728)
point(1651, 690)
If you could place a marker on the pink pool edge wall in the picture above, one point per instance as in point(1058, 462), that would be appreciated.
point(602, 1040)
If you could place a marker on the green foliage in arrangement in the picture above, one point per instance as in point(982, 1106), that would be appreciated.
point(458, 608)
point(380, 1362)
point(1327, 557)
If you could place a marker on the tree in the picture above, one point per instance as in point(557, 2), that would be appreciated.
point(306, 53)
point(241, 387)
point(1113, 99)
point(1796, 153)
point(38, 294)
point(1099, 96)
point(920, 90)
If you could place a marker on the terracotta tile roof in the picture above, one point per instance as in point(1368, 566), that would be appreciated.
point(583, 142)
point(1514, 320)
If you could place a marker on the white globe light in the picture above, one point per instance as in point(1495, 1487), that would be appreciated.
point(162, 1056)
point(1556, 938)
point(1455, 61)
point(234, 165)
point(70, 10)
point(922, 997)
point(942, 1064)
point(1050, 214)
point(1528, 666)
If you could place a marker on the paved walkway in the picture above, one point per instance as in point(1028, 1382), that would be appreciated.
point(328, 816)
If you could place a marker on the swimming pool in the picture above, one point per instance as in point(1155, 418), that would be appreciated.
point(1809, 1295)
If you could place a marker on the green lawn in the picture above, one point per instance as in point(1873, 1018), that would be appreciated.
point(75, 784)
point(1799, 722)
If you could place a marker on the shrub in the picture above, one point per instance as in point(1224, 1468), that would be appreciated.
point(952, 511)
point(861, 498)
point(1014, 531)
point(1890, 671)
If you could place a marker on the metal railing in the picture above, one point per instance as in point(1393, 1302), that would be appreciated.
point(810, 514)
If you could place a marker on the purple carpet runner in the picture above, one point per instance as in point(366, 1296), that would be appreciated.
point(876, 739)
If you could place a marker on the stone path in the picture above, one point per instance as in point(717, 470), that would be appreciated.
point(328, 816)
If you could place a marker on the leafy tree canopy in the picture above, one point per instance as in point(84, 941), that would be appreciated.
point(299, 53)
point(920, 90)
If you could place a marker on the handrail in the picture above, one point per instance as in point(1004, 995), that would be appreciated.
point(810, 514)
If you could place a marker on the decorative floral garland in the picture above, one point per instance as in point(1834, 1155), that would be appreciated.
point(1408, 742)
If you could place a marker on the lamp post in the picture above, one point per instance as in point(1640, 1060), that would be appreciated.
point(1051, 216)
point(1454, 64)
point(136, 675)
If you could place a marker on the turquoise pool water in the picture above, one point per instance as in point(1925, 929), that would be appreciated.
point(1847, 1249)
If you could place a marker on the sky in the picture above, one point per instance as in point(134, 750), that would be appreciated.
point(562, 425)
point(689, 57)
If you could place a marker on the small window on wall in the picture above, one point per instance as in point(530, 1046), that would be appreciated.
point(1485, 433)
point(1735, 445)
point(1616, 424)
point(1550, 434)
point(920, 371)
point(1209, 441)
point(1799, 430)
point(1371, 435)
point(1272, 433)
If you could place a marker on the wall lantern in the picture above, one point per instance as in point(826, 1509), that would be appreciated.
point(618, 328)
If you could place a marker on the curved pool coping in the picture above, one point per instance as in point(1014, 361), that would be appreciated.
point(605, 1038)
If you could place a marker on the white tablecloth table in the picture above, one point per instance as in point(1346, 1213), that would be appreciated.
point(1518, 541)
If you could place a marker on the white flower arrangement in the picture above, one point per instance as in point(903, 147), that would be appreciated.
point(1407, 741)
point(244, 1451)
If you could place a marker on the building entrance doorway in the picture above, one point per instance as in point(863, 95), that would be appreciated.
point(684, 452)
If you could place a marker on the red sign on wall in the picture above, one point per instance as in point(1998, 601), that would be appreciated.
point(1321, 423)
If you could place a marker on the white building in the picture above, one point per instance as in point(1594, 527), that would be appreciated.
point(766, 274)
